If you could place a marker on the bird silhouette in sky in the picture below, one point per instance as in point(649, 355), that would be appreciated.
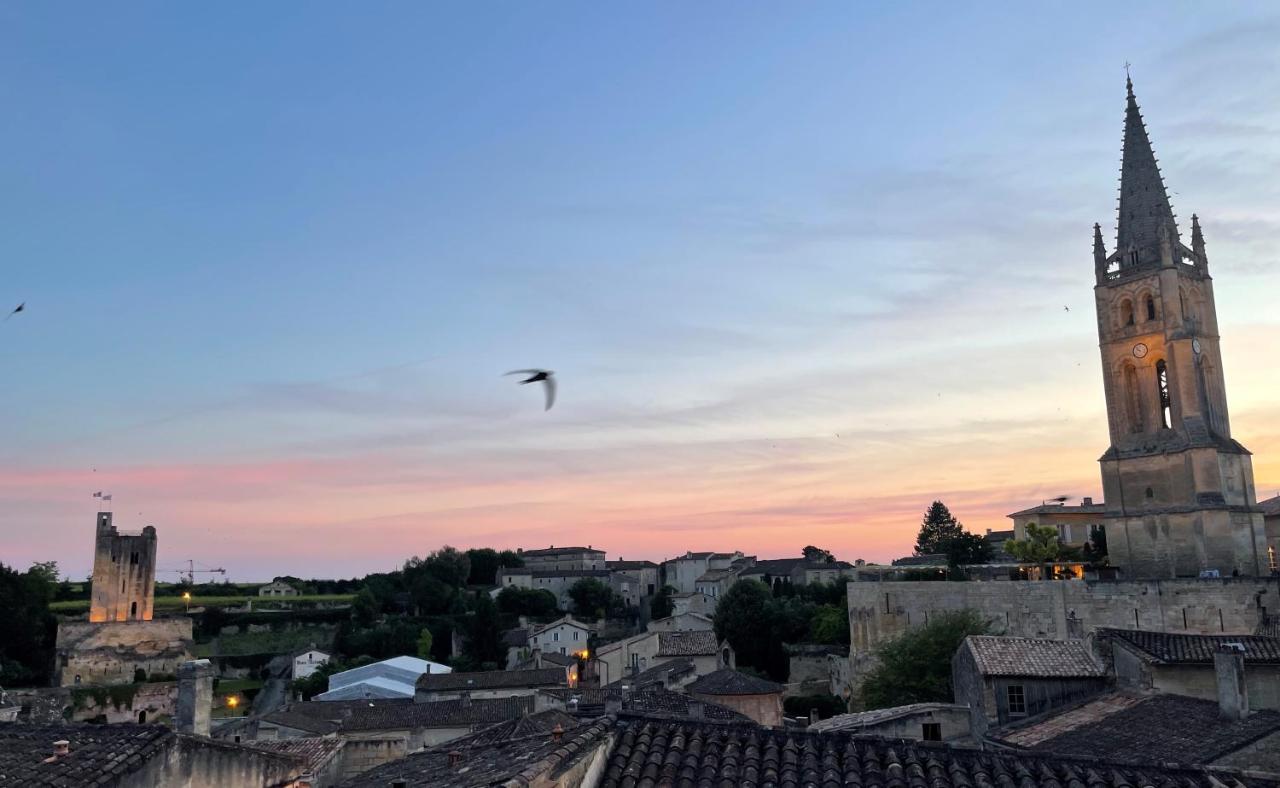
point(1066, 309)
point(543, 376)
point(18, 309)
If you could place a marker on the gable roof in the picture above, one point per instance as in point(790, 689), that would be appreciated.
point(1148, 729)
point(96, 752)
point(658, 674)
point(493, 679)
point(620, 564)
point(1177, 648)
point(697, 643)
point(567, 621)
point(647, 752)
point(313, 752)
point(1038, 657)
point(518, 727)
point(323, 717)
point(516, 638)
point(1270, 507)
point(1053, 508)
point(730, 682)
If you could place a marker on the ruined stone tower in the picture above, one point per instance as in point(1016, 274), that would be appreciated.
point(1179, 490)
point(124, 573)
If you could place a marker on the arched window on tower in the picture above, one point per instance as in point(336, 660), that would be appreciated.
point(133, 610)
point(1162, 384)
point(1151, 308)
point(1133, 402)
point(1126, 312)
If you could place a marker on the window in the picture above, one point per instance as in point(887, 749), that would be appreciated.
point(575, 634)
point(142, 717)
point(1162, 384)
point(931, 731)
point(133, 610)
point(133, 559)
point(556, 636)
point(1271, 559)
point(1151, 308)
point(1150, 493)
point(1126, 312)
point(1017, 700)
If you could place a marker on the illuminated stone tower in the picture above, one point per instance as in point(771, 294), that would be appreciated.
point(1179, 490)
point(124, 573)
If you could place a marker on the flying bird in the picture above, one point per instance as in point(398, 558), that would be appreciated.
point(543, 376)
point(18, 309)
point(1066, 309)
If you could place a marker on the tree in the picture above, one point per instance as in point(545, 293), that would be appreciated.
point(830, 624)
point(937, 528)
point(661, 605)
point(484, 634)
point(510, 559)
point(744, 618)
point(365, 608)
point(47, 571)
point(484, 564)
point(916, 667)
point(593, 598)
point(968, 549)
point(817, 555)
point(1039, 545)
point(1096, 548)
point(535, 602)
point(424, 644)
point(27, 627)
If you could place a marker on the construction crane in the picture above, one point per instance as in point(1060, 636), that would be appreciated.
point(190, 571)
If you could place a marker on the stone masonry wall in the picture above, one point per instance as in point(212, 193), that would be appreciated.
point(1058, 609)
point(109, 653)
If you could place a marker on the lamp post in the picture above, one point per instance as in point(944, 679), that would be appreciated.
point(186, 600)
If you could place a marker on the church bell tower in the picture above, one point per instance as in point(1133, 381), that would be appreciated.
point(1179, 490)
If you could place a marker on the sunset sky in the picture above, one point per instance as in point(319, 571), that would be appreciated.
point(800, 269)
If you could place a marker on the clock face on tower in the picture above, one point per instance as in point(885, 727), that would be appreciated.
point(1139, 350)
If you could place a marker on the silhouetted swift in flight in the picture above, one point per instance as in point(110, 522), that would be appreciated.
point(543, 376)
point(19, 308)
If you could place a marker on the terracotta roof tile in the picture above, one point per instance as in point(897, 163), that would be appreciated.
point(731, 682)
point(1007, 656)
point(1176, 648)
point(686, 644)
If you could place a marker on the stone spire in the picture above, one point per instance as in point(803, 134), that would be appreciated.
point(1197, 242)
point(1099, 251)
point(1144, 204)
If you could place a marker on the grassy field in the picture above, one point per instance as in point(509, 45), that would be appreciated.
point(171, 603)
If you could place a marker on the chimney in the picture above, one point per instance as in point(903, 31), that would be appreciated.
point(1228, 669)
point(455, 759)
point(399, 782)
point(813, 717)
point(557, 732)
point(465, 698)
point(61, 747)
point(696, 710)
point(1087, 501)
point(195, 696)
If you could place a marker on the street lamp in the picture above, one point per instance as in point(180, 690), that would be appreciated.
point(186, 600)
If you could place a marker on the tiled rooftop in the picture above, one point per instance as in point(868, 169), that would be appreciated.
point(658, 674)
point(731, 682)
point(862, 719)
point(492, 679)
point(312, 751)
point(686, 644)
point(519, 728)
point(649, 753)
point(96, 753)
point(323, 717)
point(1176, 648)
point(1007, 656)
point(1147, 729)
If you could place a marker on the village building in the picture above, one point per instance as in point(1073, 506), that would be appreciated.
point(1183, 664)
point(693, 602)
point(277, 588)
point(624, 658)
point(646, 574)
point(391, 678)
point(756, 698)
point(563, 636)
point(1075, 525)
point(556, 559)
point(682, 622)
point(942, 722)
point(308, 661)
point(682, 573)
point(1006, 678)
point(490, 683)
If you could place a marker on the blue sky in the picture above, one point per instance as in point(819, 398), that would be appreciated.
point(276, 258)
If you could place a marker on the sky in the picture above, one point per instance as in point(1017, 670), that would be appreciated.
point(800, 270)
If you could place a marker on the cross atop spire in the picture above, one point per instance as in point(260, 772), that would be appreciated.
point(1144, 204)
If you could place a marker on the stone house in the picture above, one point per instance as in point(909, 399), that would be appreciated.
point(134, 756)
point(562, 636)
point(811, 667)
point(616, 661)
point(307, 662)
point(277, 588)
point(1271, 527)
point(682, 573)
point(715, 583)
point(945, 722)
point(391, 678)
point(1003, 678)
point(1183, 663)
point(112, 653)
point(759, 699)
point(1075, 524)
point(491, 683)
point(555, 559)
point(694, 602)
point(645, 572)
point(556, 581)
point(682, 622)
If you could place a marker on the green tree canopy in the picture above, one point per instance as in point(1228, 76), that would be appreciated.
point(818, 555)
point(593, 598)
point(1039, 545)
point(425, 642)
point(941, 532)
point(27, 627)
point(830, 624)
point(916, 667)
point(744, 617)
point(661, 605)
point(365, 608)
point(484, 565)
point(484, 635)
point(534, 602)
